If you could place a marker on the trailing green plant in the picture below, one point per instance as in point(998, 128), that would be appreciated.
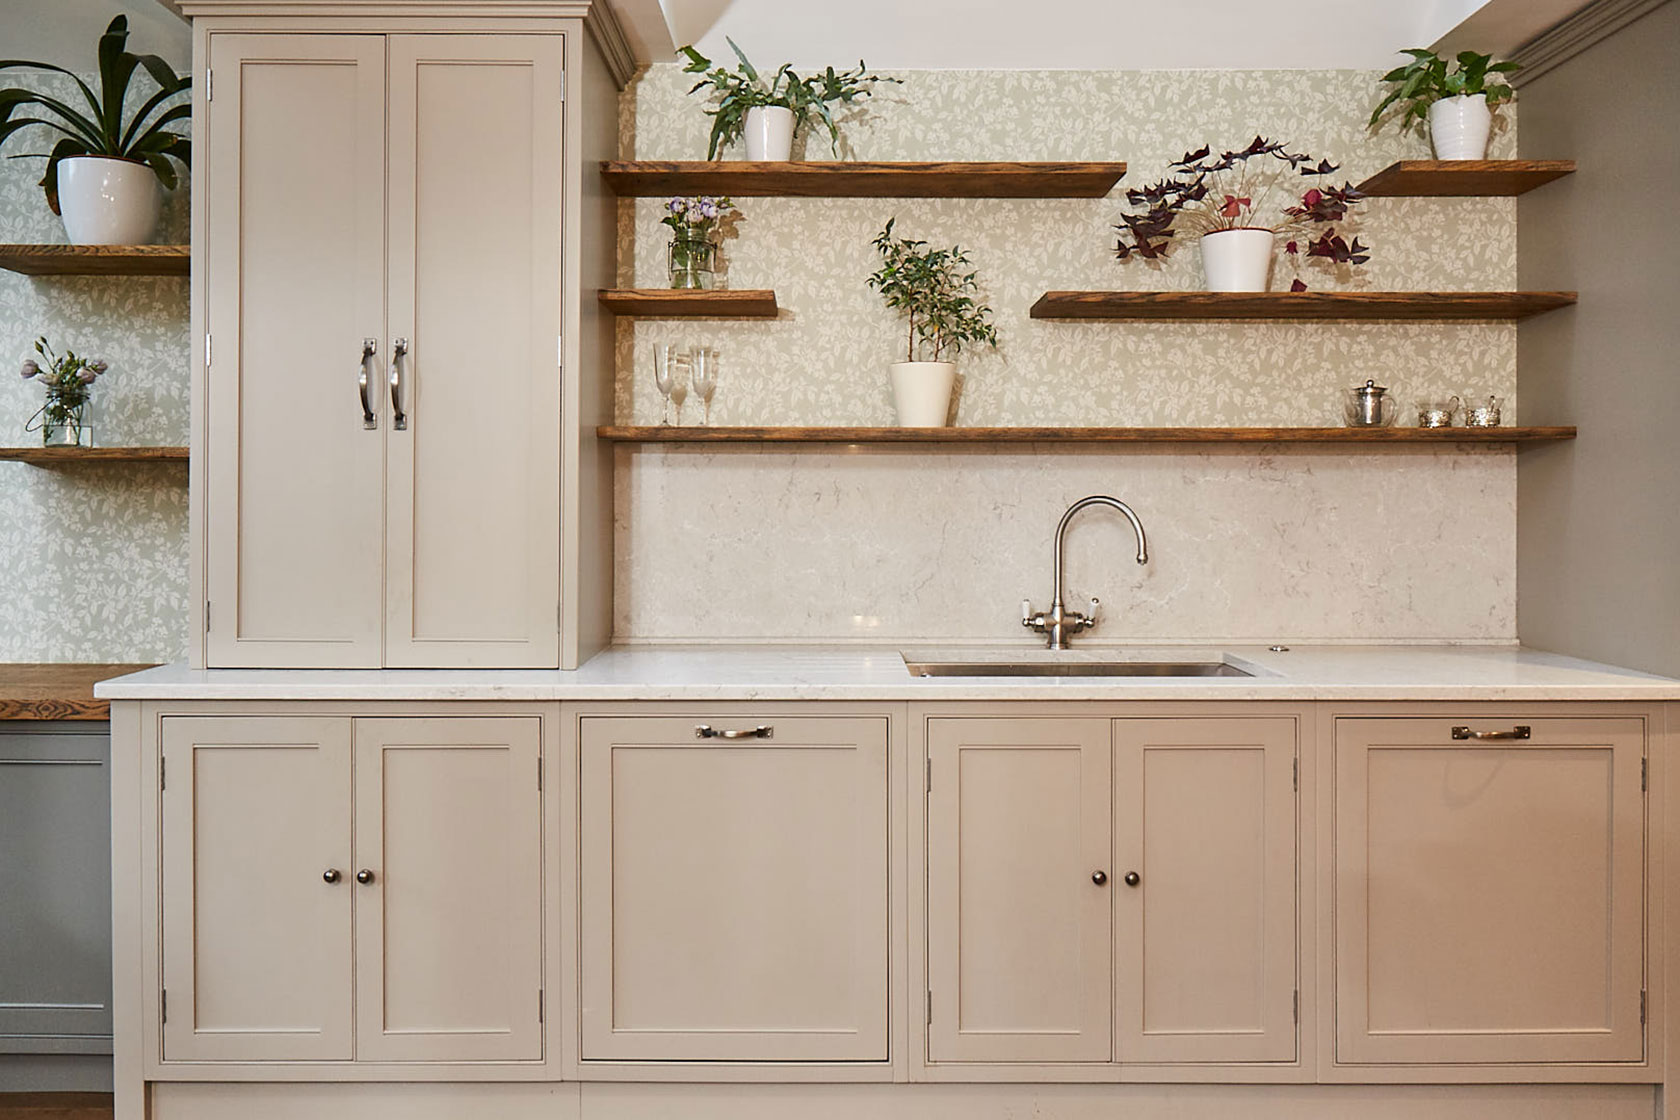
point(936, 290)
point(1427, 79)
point(809, 99)
point(104, 129)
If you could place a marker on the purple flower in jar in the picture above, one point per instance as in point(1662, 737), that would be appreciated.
point(86, 376)
point(30, 369)
point(99, 367)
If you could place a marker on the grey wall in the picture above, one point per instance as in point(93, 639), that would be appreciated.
point(64, 32)
point(1598, 520)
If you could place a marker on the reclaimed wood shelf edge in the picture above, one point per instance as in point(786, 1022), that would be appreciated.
point(1297, 305)
point(843, 179)
point(96, 260)
point(675, 303)
point(1464, 178)
point(49, 691)
point(658, 433)
point(61, 456)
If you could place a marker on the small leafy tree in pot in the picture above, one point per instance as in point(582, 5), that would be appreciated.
point(809, 99)
point(1428, 78)
point(935, 293)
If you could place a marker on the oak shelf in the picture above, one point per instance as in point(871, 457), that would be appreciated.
point(837, 179)
point(64, 456)
point(47, 691)
point(1464, 178)
point(96, 260)
point(659, 433)
point(1297, 305)
point(670, 303)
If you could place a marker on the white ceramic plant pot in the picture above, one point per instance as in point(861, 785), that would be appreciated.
point(108, 201)
point(1459, 126)
point(769, 133)
point(1238, 260)
point(922, 393)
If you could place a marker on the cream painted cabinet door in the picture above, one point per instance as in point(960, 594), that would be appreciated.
point(1019, 891)
point(1205, 817)
point(734, 891)
point(449, 919)
point(1489, 892)
point(295, 197)
point(256, 889)
point(473, 507)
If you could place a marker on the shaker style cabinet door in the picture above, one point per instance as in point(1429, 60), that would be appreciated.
point(1489, 891)
point(472, 510)
point(449, 921)
point(1205, 818)
point(294, 190)
point(734, 890)
point(1020, 890)
point(257, 889)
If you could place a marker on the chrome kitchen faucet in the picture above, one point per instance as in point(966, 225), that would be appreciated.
point(1058, 623)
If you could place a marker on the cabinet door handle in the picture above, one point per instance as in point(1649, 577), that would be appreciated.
point(1099, 877)
point(331, 875)
point(1521, 731)
point(762, 731)
point(364, 876)
point(364, 383)
point(1132, 879)
point(399, 354)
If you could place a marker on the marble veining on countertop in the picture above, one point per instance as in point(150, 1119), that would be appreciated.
point(768, 672)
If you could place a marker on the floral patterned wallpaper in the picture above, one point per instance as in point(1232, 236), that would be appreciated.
point(95, 556)
point(824, 360)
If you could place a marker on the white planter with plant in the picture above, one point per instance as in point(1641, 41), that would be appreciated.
point(1456, 100)
point(1238, 204)
point(936, 291)
point(767, 114)
point(106, 165)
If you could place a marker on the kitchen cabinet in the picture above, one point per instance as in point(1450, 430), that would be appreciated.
point(1112, 890)
point(1489, 890)
point(733, 893)
point(338, 889)
point(382, 348)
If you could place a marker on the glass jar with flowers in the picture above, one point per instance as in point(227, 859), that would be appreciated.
point(68, 379)
point(696, 224)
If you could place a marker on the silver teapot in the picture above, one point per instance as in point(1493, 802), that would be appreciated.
point(1370, 406)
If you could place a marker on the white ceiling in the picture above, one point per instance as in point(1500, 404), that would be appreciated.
point(1066, 34)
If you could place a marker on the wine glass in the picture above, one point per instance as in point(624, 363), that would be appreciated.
point(705, 377)
point(664, 367)
point(680, 363)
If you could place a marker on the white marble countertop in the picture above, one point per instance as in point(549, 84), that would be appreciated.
point(768, 672)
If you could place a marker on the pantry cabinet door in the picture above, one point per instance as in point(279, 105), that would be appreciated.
point(734, 891)
point(294, 190)
point(1489, 893)
point(1205, 816)
point(256, 889)
point(449, 924)
point(1019, 941)
point(473, 524)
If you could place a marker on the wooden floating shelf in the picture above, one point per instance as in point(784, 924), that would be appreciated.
point(38, 691)
point(835, 179)
point(96, 260)
point(669, 303)
point(659, 433)
point(64, 456)
point(1464, 178)
point(1297, 305)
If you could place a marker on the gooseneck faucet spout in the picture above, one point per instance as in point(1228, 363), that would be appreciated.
point(1058, 623)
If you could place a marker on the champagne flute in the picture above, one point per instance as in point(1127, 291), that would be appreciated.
point(664, 362)
point(705, 377)
point(681, 361)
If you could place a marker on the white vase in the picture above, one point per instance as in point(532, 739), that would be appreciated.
point(108, 201)
point(1459, 126)
point(1238, 260)
point(769, 133)
point(922, 393)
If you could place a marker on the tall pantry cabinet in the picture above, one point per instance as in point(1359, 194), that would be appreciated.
point(397, 378)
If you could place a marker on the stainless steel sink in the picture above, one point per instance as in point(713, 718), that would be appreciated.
point(1074, 669)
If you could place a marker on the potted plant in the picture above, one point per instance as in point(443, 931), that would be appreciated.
point(103, 174)
point(935, 290)
point(1458, 102)
point(695, 224)
point(62, 418)
point(768, 113)
point(1238, 204)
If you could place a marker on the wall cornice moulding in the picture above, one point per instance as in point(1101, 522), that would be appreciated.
point(393, 9)
point(1581, 31)
point(604, 27)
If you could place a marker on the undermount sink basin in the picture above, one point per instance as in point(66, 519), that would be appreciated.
point(1074, 669)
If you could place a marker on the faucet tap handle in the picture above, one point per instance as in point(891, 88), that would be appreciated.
point(1091, 619)
point(1029, 619)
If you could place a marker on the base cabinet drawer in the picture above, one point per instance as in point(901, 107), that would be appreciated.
point(734, 889)
point(1489, 879)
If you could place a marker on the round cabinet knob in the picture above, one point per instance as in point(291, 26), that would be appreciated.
point(331, 875)
point(364, 876)
point(1099, 877)
point(1133, 878)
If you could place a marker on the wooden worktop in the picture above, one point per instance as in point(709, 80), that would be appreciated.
point(56, 691)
